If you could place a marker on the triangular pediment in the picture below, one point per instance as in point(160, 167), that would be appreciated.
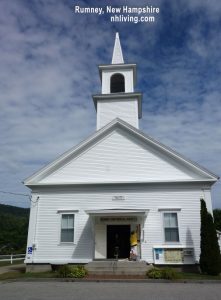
point(120, 153)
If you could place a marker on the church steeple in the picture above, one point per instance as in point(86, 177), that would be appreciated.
point(117, 57)
point(117, 98)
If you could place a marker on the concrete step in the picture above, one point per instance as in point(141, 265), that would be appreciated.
point(108, 263)
point(117, 272)
point(117, 267)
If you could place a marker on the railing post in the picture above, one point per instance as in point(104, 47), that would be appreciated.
point(11, 258)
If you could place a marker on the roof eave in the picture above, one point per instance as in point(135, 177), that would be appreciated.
point(209, 181)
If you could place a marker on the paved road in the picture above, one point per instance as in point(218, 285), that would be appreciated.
point(108, 291)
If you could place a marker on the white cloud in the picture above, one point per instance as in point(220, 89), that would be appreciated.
point(49, 59)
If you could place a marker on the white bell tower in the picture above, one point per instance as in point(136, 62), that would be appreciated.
point(117, 98)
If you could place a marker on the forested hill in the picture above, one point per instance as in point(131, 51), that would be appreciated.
point(13, 229)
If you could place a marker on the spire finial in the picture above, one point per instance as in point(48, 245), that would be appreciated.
point(117, 57)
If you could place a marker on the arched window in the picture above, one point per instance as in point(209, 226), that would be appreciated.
point(117, 84)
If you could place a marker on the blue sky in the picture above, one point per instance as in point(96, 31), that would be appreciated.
point(48, 72)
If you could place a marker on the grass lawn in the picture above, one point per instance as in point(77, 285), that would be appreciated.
point(18, 275)
point(22, 274)
point(8, 263)
point(197, 276)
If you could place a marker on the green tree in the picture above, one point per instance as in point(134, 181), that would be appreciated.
point(13, 229)
point(217, 218)
point(210, 259)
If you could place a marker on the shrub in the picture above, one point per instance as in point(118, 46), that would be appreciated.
point(155, 273)
point(78, 272)
point(169, 273)
point(166, 273)
point(63, 271)
point(67, 271)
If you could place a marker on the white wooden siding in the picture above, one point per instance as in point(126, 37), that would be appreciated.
point(208, 200)
point(119, 157)
point(108, 110)
point(49, 249)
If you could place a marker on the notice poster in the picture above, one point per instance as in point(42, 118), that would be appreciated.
point(173, 256)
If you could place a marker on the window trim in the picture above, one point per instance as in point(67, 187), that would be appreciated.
point(171, 211)
point(62, 213)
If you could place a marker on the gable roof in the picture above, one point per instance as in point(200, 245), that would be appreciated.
point(100, 134)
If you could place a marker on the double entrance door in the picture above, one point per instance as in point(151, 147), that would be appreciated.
point(118, 241)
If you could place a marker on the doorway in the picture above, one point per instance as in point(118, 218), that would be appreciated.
point(118, 241)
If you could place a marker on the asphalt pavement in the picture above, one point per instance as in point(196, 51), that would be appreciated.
point(108, 291)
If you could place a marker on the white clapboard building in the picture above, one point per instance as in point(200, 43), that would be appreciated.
point(119, 181)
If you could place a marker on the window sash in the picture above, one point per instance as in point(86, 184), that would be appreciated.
point(67, 221)
point(67, 235)
point(171, 234)
point(170, 220)
point(171, 229)
point(67, 228)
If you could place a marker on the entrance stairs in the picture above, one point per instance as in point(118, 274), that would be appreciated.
point(117, 267)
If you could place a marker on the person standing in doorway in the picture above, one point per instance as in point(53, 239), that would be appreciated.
point(133, 245)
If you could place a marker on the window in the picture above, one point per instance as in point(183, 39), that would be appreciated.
point(67, 228)
point(117, 83)
point(171, 227)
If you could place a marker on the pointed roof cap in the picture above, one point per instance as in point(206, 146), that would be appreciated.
point(117, 57)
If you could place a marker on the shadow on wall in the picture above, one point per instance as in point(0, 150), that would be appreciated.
point(84, 246)
point(189, 241)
